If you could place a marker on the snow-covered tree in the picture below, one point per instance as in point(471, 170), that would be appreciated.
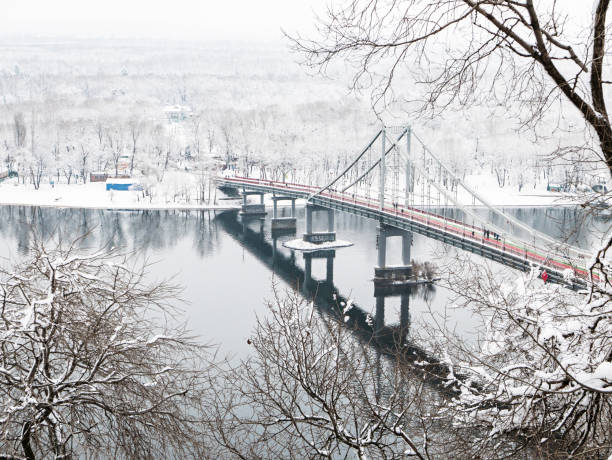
point(527, 56)
point(541, 373)
point(86, 366)
point(311, 389)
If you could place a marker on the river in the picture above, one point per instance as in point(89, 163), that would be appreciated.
point(227, 267)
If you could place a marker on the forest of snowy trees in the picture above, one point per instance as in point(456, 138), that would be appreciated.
point(64, 115)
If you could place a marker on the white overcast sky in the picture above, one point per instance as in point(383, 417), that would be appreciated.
point(175, 19)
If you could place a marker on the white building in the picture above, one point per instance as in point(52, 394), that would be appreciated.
point(177, 113)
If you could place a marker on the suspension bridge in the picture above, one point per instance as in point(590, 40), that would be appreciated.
point(398, 181)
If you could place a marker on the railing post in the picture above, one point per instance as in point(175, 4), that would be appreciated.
point(381, 182)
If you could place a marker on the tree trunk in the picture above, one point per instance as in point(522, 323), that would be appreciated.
point(604, 132)
point(25, 442)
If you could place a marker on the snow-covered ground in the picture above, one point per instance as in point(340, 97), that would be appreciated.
point(487, 187)
point(94, 195)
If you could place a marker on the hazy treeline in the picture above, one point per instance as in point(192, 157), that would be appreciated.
point(71, 107)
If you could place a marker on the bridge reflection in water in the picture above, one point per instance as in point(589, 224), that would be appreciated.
point(392, 340)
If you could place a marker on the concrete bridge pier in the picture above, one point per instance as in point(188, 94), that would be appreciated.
point(283, 223)
point(389, 273)
point(319, 237)
point(252, 210)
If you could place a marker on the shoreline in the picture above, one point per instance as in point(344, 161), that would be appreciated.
point(205, 207)
point(127, 208)
point(94, 196)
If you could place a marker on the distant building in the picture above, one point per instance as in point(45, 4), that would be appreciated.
point(123, 164)
point(177, 113)
point(98, 176)
point(116, 183)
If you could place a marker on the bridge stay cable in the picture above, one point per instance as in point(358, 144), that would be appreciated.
point(375, 164)
point(347, 169)
point(449, 197)
point(517, 223)
point(432, 161)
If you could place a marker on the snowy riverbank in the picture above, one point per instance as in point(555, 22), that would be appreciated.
point(95, 195)
point(530, 196)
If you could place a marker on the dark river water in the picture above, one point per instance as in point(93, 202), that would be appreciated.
point(227, 267)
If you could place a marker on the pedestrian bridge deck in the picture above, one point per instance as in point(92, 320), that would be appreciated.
point(563, 264)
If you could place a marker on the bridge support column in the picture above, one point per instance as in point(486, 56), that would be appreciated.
point(319, 237)
point(308, 219)
point(393, 273)
point(252, 210)
point(406, 244)
point(382, 247)
point(330, 220)
point(283, 223)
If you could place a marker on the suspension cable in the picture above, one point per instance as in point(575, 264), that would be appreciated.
point(346, 169)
